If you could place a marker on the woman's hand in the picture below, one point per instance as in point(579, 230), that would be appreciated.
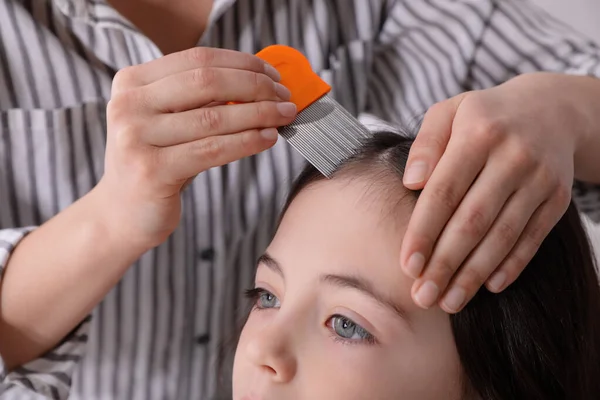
point(496, 167)
point(168, 121)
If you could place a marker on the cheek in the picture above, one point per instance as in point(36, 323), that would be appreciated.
point(427, 365)
point(422, 365)
point(405, 372)
point(351, 372)
point(242, 368)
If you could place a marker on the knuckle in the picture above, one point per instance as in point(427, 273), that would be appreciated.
point(255, 80)
point(127, 136)
point(522, 157)
point(430, 141)
point(563, 194)
point(210, 148)
point(124, 78)
point(506, 234)
point(123, 126)
point(487, 130)
point(119, 105)
point(261, 111)
point(445, 195)
point(515, 263)
point(476, 223)
point(202, 77)
point(444, 268)
point(548, 178)
point(209, 120)
point(114, 109)
point(201, 56)
point(125, 104)
point(248, 141)
point(436, 108)
point(535, 235)
point(472, 279)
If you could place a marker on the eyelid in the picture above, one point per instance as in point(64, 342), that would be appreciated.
point(265, 286)
point(264, 273)
point(356, 318)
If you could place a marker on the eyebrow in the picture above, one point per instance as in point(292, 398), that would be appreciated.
point(343, 281)
point(270, 263)
point(363, 285)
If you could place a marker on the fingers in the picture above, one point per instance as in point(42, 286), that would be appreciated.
point(199, 87)
point(536, 230)
point(195, 58)
point(189, 159)
point(490, 252)
point(201, 123)
point(438, 201)
point(430, 143)
point(467, 227)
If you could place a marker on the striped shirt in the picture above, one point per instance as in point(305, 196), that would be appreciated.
point(158, 334)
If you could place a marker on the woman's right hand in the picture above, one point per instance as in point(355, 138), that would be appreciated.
point(168, 121)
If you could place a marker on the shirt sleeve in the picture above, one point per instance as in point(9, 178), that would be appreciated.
point(50, 375)
point(431, 50)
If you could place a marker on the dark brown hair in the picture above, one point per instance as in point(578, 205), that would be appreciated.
point(540, 337)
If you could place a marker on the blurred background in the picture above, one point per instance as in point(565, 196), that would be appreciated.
point(584, 15)
point(581, 14)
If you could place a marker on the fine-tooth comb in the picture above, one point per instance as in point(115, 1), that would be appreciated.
point(323, 131)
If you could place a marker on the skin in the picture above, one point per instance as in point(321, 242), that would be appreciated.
point(289, 348)
point(497, 167)
point(172, 25)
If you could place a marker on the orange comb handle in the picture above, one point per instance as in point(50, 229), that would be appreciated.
point(296, 74)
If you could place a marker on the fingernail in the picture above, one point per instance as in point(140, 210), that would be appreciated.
point(415, 173)
point(455, 299)
point(415, 265)
point(496, 282)
point(287, 109)
point(427, 294)
point(282, 92)
point(272, 73)
point(269, 133)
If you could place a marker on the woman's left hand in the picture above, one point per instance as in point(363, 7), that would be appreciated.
point(496, 167)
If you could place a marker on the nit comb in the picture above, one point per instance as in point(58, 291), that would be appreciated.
point(324, 132)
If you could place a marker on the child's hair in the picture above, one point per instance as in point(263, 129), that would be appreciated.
point(540, 337)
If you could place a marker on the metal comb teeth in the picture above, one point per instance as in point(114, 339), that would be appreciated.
point(325, 134)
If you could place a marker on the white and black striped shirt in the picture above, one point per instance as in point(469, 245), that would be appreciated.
point(157, 334)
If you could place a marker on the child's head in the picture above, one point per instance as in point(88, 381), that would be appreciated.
point(333, 317)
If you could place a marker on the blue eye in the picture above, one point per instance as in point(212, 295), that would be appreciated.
point(347, 330)
point(262, 298)
point(267, 300)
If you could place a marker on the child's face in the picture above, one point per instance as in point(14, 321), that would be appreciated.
point(335, 319)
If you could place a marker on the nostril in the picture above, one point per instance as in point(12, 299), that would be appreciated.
point(269, 370)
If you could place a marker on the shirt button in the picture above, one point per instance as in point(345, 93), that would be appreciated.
point(207, 254)
point(202, 339)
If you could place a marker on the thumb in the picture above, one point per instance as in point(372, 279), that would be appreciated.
point(430, 143)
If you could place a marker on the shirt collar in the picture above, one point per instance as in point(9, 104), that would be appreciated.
point(219, 7)
point(74, 8)
point(94, 10)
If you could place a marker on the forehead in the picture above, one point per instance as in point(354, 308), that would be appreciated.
point(374, 200)
point(344, 226)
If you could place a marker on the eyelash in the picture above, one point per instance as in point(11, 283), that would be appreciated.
point(253, 295)
point(369, 340)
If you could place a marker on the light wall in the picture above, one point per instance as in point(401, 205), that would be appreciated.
point(584, 15)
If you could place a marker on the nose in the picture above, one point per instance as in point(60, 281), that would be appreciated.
point(270, 351)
